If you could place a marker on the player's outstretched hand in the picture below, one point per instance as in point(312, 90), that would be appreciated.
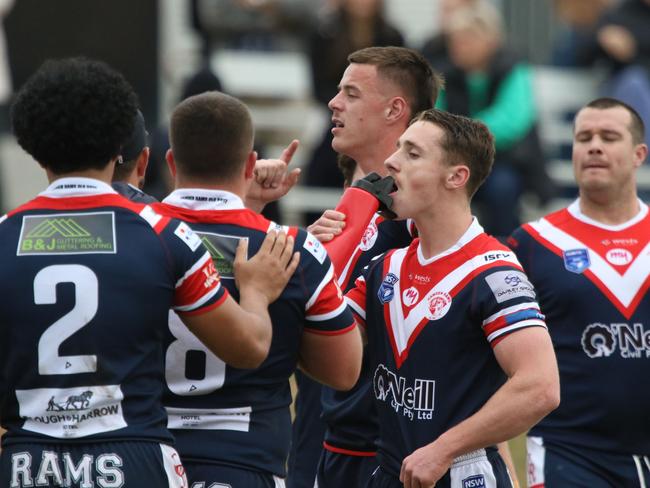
point(424, 467)
point(328, 225)
point(267, 273)
point(272, 179)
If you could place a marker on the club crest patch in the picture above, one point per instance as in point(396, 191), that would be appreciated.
point(386, 290)
point(439, 304)
point(576, 260)
point(369, 237)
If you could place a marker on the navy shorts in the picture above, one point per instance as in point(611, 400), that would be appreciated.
point(106, 464)
point(307, 434)
point(205, 475)
point(554, 465)
point(478, 469)
point(336, 470)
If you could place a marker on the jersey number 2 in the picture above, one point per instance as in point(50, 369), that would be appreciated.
point(85, 307)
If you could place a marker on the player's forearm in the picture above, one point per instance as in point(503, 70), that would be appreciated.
point(518, 405)
point(258, 321)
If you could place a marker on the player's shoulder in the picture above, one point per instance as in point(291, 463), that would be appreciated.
point(309, 246)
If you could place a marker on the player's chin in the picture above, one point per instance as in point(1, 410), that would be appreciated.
point(400, 210)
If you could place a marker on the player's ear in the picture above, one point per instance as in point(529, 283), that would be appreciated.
point(142, 162)
point(251, 159)
point(171, 164)
point(396, 110)
point(457, 176)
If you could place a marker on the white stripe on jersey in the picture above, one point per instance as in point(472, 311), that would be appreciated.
point(402, 326)
point(196, 266)
point(328, 315)
point(624, 287)
point(236, 418)
point(319, 288)
point(148, 214)
point(509, 310)
point(199, 302)
point(357, 309)
point(517, 325)
point(3, 218)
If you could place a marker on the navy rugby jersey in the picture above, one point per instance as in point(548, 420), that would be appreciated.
point(431, 325)
point(350, 415)
point(88, 279)
point(241, 417)
point(592, 281)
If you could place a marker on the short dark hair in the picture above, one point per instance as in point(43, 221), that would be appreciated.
point(408, 69)
point(637, 127)
point(74, 114)
point(211, 134)
point(466, 141)
point(132, 149)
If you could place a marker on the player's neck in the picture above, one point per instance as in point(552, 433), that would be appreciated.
point(608, 209)
point(192, 184)
point(441, 230)
point(105, 174)
point(373, 160)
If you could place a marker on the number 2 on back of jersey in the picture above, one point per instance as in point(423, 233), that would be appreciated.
point(85, 307)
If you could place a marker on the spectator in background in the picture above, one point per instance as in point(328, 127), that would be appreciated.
point(577, 20)
point(621, 43)
point(262, 25)
point(488, 82)
point(435, 48)
point(346, 27)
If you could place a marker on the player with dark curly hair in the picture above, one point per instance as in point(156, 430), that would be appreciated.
point(89, 278)
point(74, 115)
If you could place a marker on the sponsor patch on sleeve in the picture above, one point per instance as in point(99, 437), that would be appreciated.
point(509, 284)
point(188, 236)
point(315, 248)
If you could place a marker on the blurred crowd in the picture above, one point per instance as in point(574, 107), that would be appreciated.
point(486, 77)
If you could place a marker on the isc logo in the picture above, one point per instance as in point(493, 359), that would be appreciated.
point(475, 481)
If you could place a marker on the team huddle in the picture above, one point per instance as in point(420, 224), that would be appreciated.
point(150, 344)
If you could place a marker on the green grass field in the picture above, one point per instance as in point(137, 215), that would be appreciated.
point(518, 450)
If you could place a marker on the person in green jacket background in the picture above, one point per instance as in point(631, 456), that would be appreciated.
point(488, 82)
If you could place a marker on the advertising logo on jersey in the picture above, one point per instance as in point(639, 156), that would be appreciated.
point(421, 279)
point(188, 236)
point(619, 257)
point(67, 233)
point(67, 413)
point(315, 248)
point(222, 249)
point(369, 237)
point(438, 305)
point(386, 290)
point(476, 481)
point(413, 398)
point(629, 341)
point(506, 285)
point(410, 296)
point(576, 260)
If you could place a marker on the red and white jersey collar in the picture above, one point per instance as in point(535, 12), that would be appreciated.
point(204, 199)
point(574, 210)
point(472, 231)
point(76, 187)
